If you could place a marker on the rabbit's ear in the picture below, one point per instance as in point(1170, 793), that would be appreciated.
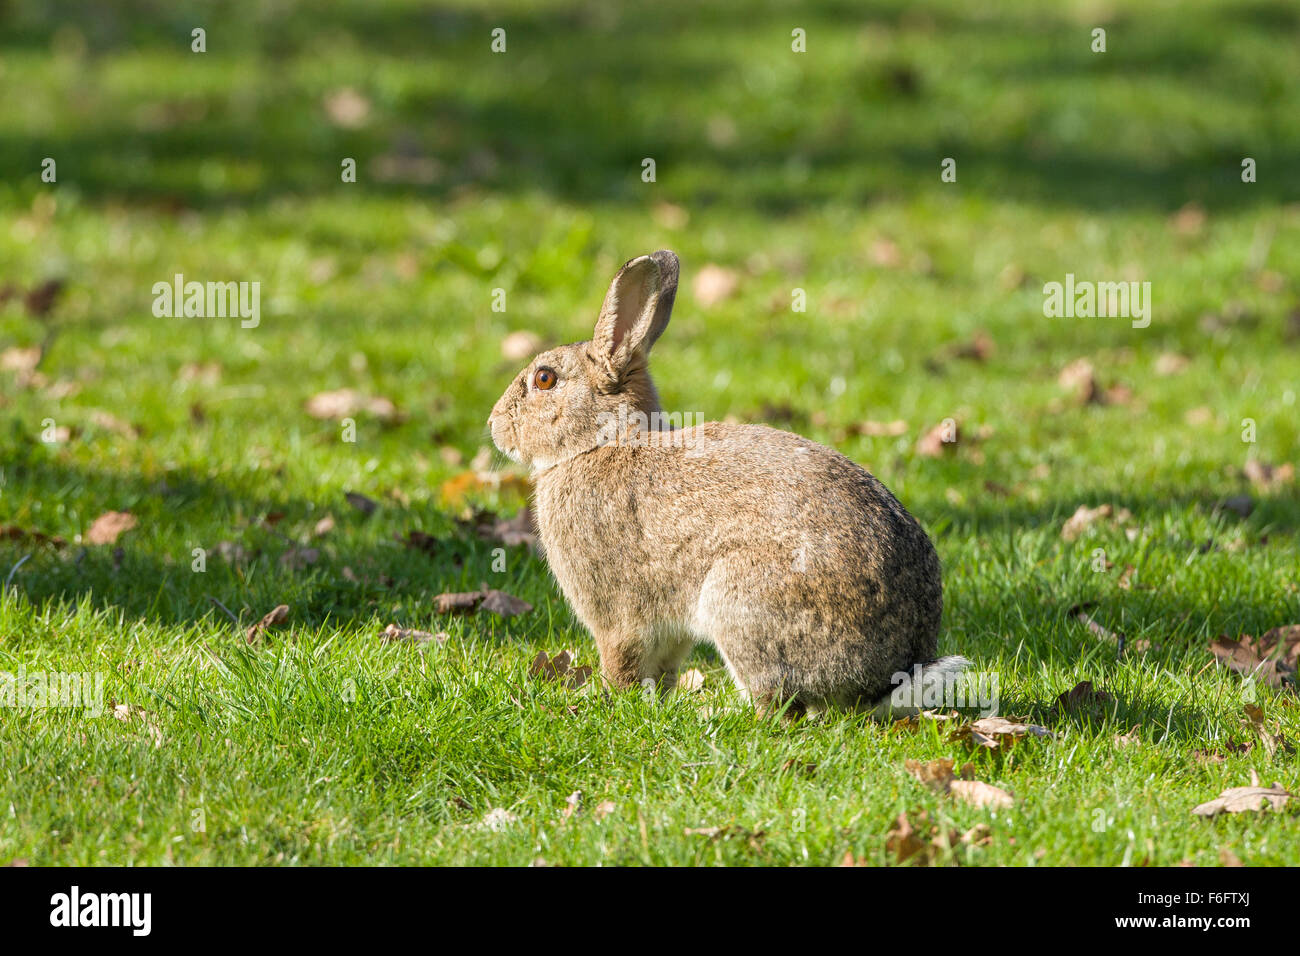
point(636, 309)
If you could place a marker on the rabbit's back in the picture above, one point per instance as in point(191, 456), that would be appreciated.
point(802, 568)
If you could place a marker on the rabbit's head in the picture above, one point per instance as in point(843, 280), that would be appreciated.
point(577, 397)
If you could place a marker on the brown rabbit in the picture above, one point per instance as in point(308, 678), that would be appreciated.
point(814, 584)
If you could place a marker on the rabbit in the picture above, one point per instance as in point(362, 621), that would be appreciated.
point(815, 586)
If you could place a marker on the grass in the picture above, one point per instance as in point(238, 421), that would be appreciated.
point(817, 171)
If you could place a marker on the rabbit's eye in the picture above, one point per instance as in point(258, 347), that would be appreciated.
point(545, 379)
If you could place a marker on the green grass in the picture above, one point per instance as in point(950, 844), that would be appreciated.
point(325, 745)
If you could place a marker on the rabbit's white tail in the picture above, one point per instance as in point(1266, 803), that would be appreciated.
point(926, 686)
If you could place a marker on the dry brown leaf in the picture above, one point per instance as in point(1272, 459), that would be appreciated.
point(995, 732)
point(714, 284)
point(1271, 658)
point(455, 490)
point(1268, 477)
point(1125, 582)
point(1171, 363)
point(22, 360)
point(872, 429)
point(691, 681)
point(932, 444)
point(1081, 696)
point(366, 506)
point(980, 348)
point(604, 809)
point(138, 716)
point(498, 819)
point(1085, 517)
point(348, 403)
point(1189, 220)
point(297, 558)
point(503, 604)
point(885, 253)
point(323, 527)
point(1271, 741)
point(981, 795)
point(572, 804)
point(1250, 799)
point(520, 346)
point(272, 618)
point(392, 634)
point(11, 532)
point(347, 108)
point(559, 669)
point(459, 602)
point(924, 844)
point(109, 526)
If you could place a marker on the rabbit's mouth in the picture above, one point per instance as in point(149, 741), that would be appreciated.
point(511, 450)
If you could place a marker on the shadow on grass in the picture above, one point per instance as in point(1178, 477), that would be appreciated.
point(586, 92)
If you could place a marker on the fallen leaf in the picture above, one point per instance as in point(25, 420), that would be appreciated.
point(1250, 799)
point(110, 422)
point(366, 506)
point(22, 360)
point(39, 300)
point(1189, 220)
point(136, 715)
point(459, 602)
point(392, 633)
point(804, 768)
point(1268, 477)
point(512, 532)
point(1085, 517)
point(297, 558)
point(713, 284)
point(981, 795)
point(108, 527)
point(879, 429)
point(1171, 363)
point(1082, 695)
point(503, 604)
point(729, 832)
point(348, 403)
point(520, 346)
point(1271, 741)
point(498, 819)
point(885, 253)
point(1209, 756)
point(604, 809)
point(572, 804)
point(12, 532)
point(347, 108)
point(937, 440)
point(1128, 739)
point(924, 843)
point(995, 732)
point(1271, 658)
point(1125, 582)
point(691, 681)
point(559, 669)
point(323, 527)
point(273, 617)
point(980, 348)
point(1079, 378)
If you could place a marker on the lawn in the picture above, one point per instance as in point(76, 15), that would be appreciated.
point(776, 173)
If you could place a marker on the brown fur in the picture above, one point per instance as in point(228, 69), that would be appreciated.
point(811, 580)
